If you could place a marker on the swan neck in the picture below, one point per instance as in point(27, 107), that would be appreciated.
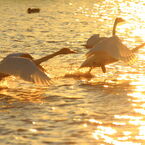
point(45, 58)
point(114, 28)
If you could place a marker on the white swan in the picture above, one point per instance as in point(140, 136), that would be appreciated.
point(95, 39)
point(28, 69)
point(108, 51)
point(25, 68)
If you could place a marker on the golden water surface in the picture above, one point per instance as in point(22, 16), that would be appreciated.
point(75, 110)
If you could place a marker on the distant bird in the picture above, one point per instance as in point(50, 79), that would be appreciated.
point(109, 51)
point(28, 68)
point(33, 10)
point(95, 39)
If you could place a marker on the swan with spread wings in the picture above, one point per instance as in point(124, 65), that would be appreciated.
point(28, 68)
point(109, 51)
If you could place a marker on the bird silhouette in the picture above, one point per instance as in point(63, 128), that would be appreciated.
point(108, 51)
point(33, 10)
point(28, 68)
point(95, 39)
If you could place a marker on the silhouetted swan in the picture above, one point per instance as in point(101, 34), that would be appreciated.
point(33, 10)
point(95, 39)
point(24, 66)
point(45, 58)
point(109, 51)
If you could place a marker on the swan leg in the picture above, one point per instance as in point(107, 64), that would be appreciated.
point(103, 68)
point(90, 70)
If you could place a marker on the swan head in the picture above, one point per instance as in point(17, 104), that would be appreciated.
point(66, 51)
point(119, 20)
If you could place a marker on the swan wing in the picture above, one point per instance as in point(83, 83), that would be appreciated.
point(20, 54)
point(94, 40)
point(25, 69)
point(124, 53)
point(89, 62)
point(104, 46)
point(115, 49)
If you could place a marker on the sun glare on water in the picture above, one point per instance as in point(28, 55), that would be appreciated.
point(136, 17)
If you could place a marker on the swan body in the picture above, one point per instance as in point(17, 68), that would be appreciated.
point(95, 39)
point(26, 67)
point(109, 51)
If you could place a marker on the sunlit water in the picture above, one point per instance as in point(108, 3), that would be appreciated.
point(106, 109)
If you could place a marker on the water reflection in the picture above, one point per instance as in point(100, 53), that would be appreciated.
point(128, 127)
point(35, 95)
point(101, 109)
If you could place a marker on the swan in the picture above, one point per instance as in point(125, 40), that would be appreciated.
point(28, 68)
point(95, 39)
point(109, 51)
point(45, 58)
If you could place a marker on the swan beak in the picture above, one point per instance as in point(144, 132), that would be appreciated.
point(72, 51)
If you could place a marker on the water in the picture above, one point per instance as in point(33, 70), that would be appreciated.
point(105, 109)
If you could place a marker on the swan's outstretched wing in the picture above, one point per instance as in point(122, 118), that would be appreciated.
point(25, 69)
point(115, 48)
point(20, 54)
point(94, 40)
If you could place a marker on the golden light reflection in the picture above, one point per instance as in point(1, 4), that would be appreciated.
point(141, 133)
point(137, 96)
point(101, 130)
point(141, 56)
point(139, 81)
point(3, 84)
point(135, 14)
point(137, 122)
point(141, 111)
point(95, 121)
point(33, 130)
point(106, 133)
point(34, 95)
point(126, 132)
point(139, 32)
point(127, 117)
point(119, 123)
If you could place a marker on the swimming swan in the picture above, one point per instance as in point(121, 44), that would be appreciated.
point(28, 68)
point(95, 39)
